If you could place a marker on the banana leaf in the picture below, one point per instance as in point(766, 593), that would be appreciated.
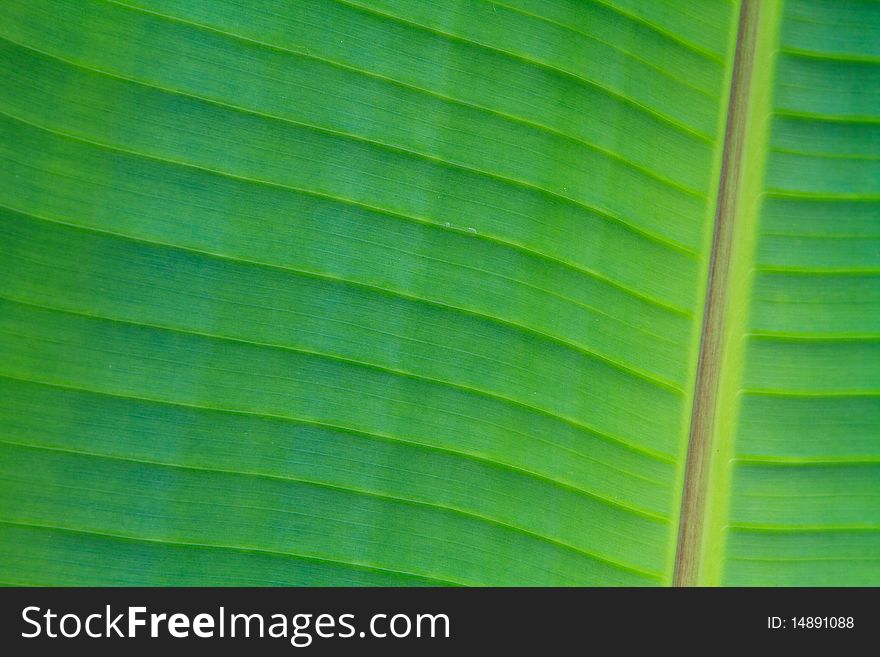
point(390, 292)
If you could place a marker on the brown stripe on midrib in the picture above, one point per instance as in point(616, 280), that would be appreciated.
point(693, 501)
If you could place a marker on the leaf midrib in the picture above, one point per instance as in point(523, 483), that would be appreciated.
point(705, 401)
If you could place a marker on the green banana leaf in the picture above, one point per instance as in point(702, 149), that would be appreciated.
point(391, 292)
